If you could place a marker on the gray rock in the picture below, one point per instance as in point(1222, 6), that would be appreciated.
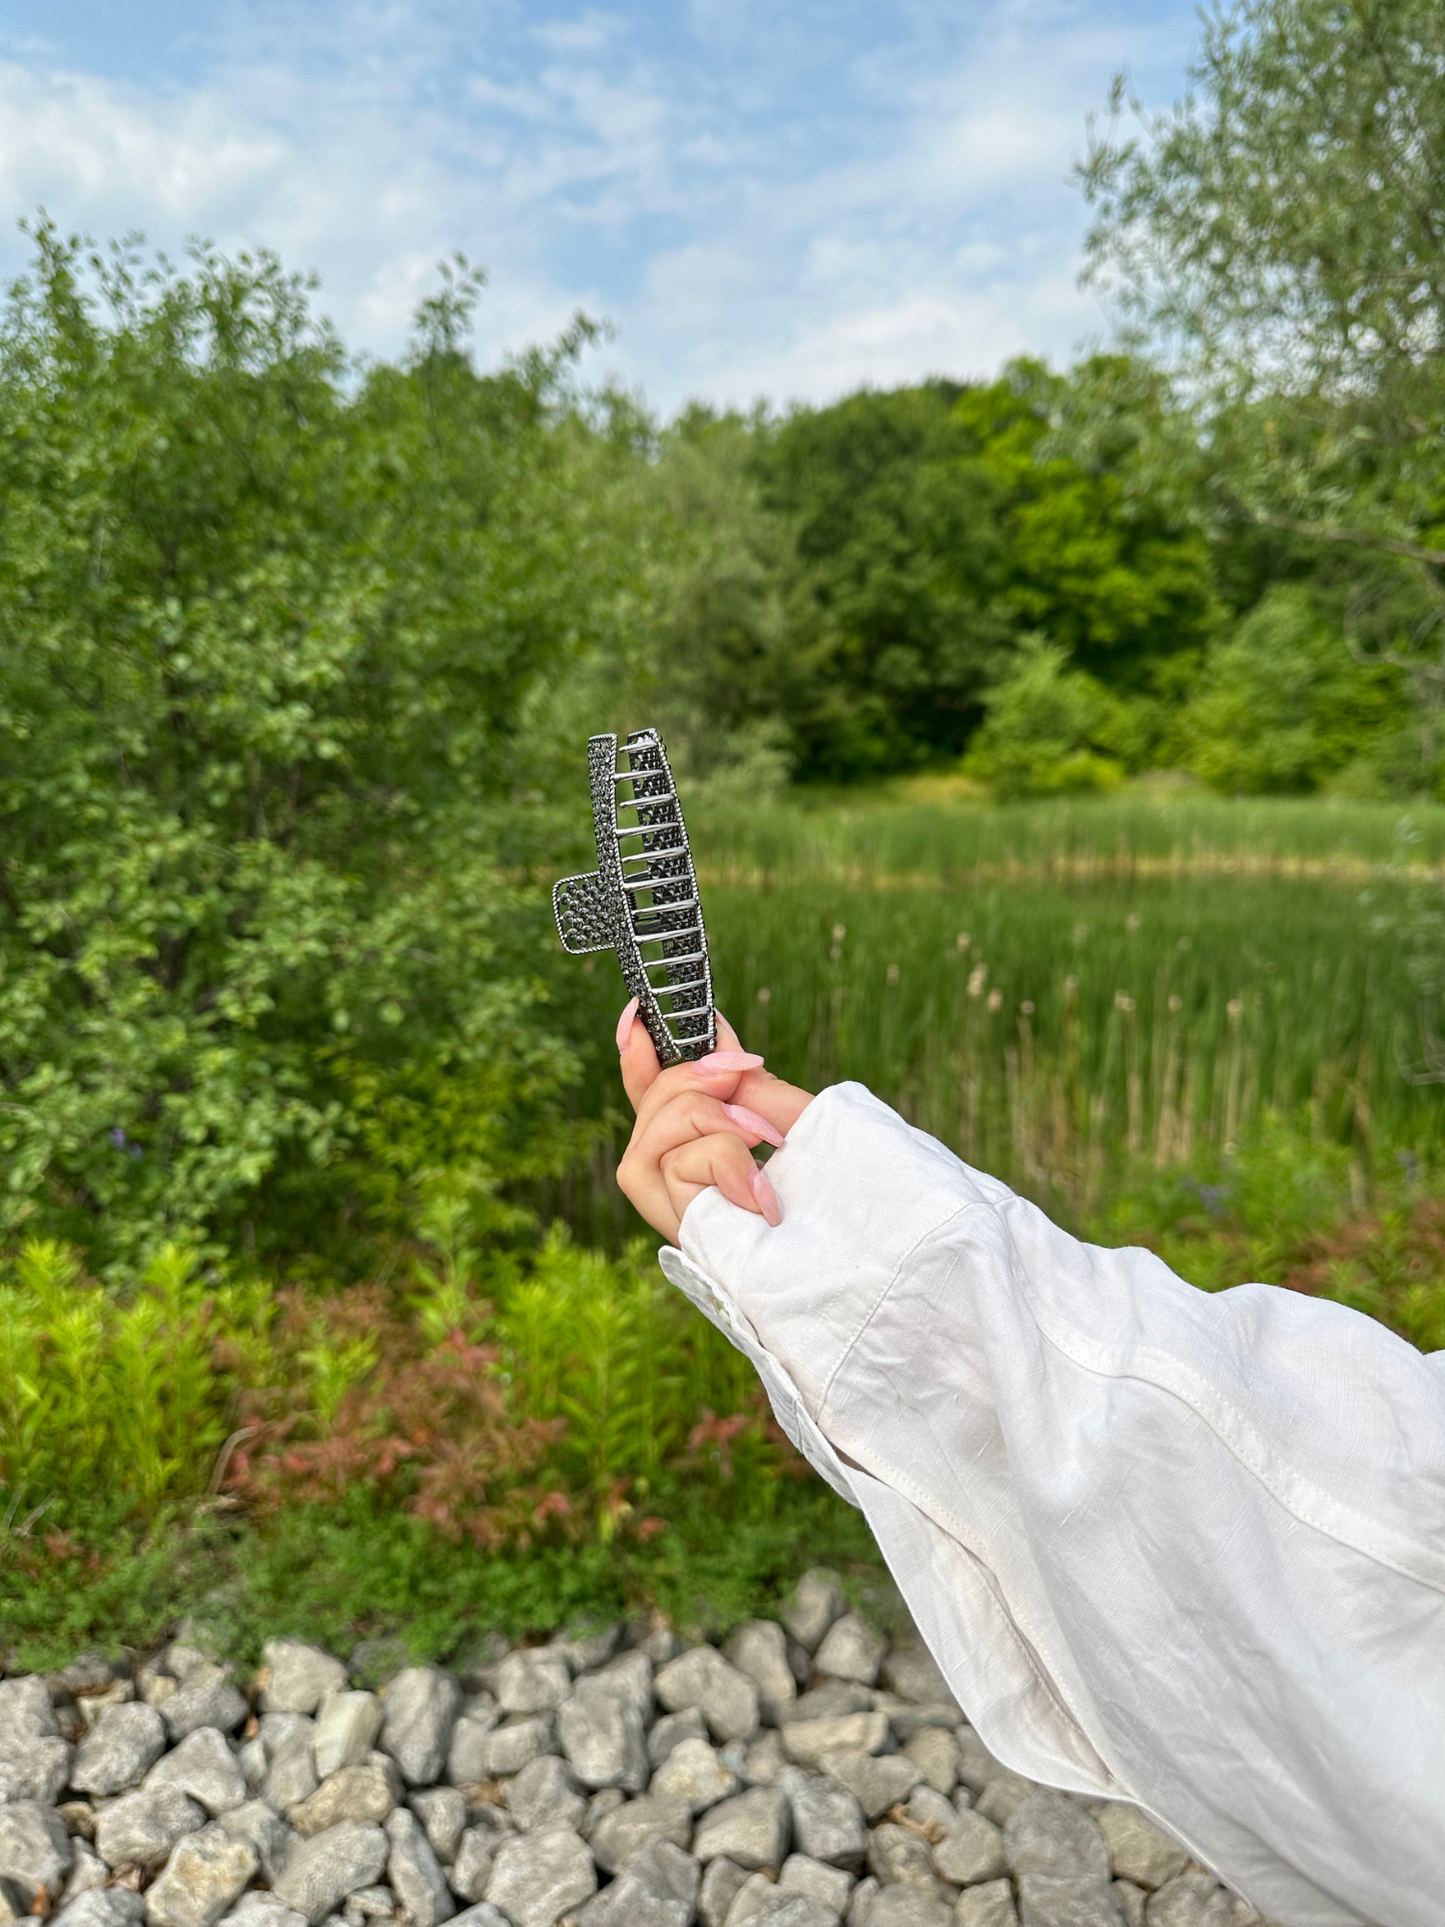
point(726, 1698)
point(976, 1765)
point(628, 1677)
point(422, 1703)
point(362, 1793)
point(79, 1818)
point(369, 1903)
point(204, 1767)
point(905, 1719)
point(1139, 1851)
point(482, 1915)
point(1191, 1899)
point(90, 1706)
point(532, 1682)
point(668, 1872)
point(759, 1649)
point(544, 1794)
point(816, 1603)
point(913, 1674)
point(139, 1829)
point(346, 1730)
point(206, 1697)
point(722, 1881)
point(852, 1648)
point(1046, 1900)
point(752, 1829)
point(809, 1742)
point(320, 1872)
point(876, 1784)
point(297, 1678)
point(1051, 1834)
point(909, 1907)
point(830, 1701)
point(604, 1740)
point(504, 1750)
point(657, 1889)
point(467, 1748)
point(472, 1868)
point(765, 1759)
point(443, 1815)
point(971, 1852)
point(694, 1772)
point(828, 1822)
point(537, 1876)
point(620, 1836)
point(34, 1768)
point(861, 1902)
point(762, 1904)
point(899, 1857)
point(375, 1661)
point(605, 1801)
point(102, 1907)
point(671, 1730)
point(263, 1910)
point(26, 1712)
point(802, 1875)
point(991, 1905)
point(930, 1811)
point(258, 1822)
point(118, 1750)
point(1002, 1795)
point(935, 1754)
point(206, 1873)
point(587, 1646)
point(35, 1849)
point(415, 1873)
point(87, 1870)
point(1133, 1902)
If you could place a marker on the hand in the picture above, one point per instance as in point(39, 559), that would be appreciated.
point(697, 1123)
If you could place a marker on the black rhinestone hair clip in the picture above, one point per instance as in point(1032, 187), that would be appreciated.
point(642, 900)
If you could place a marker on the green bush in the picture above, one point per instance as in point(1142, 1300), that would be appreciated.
point(1046, 730)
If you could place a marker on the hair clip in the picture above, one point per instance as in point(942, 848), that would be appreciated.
point(642, 900)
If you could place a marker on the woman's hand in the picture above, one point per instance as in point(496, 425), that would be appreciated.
point(697, 1123)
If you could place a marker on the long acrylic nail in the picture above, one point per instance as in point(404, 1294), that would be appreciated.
point(728, 1060)
point(761, 1188)
point(725, 1030)
point(754, 1125)
point(624, 1024)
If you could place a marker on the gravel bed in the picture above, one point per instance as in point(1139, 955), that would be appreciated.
point(803, 1775)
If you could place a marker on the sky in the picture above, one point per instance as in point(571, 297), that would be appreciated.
point(781, 199)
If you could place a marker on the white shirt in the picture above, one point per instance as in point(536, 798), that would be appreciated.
point(1181, 1549)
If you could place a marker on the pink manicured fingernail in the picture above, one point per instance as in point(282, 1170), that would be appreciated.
point(754, 1125)
point(728, 1060)
point(723, 1024)
point(624, 1024)
point(766, 1196)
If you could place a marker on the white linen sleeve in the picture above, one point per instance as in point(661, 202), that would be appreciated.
point(1182, 1549)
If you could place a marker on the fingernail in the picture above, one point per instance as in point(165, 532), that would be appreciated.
point(766, 1196)
point(624, 1024)
point(754, 1125)
point(723, 1024)
point(728, 1060)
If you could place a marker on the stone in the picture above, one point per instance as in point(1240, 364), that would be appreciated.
point(1132, 1902)
point(1138, 1849)
point(369, 1903)
point(362, 1793)
point(139, 1829)
point(628, 1677)
point(297, 1678)
point(935, 1754)
point(472, 1868)
point(606, 1801)
point(1191, 1899)
point(852, 1648)
point(443, 1814)
point(346, 1730)
point(914, 1674)
point(930, 1812)
point(604, 1740)
point(726, 1698)
point(102, 1907)
point(1049, 1833)
point(204, 1767)
point(668, 1872)
point(90, 1706)
point(762, 1904)
point(827, 1820)
point(87, 1870)
point(905, 1718)
point(899, 1857)
point(694, 1772)
point(79, 1818)
point(861, 1902)
point(481, 1916)
point(971, 1852)
point(263, 1910)
point(119, 1750)
point(374, 1662)
point(657, 1889)
point(830, 1701)
point(976, 1765)
point(35, 1849)
point(671, 1730)
point(26, 1712)
point(207, 1697)
point(421, 1708)
point(206, 1873)
point(545, 1793)
point(320, 1872)
point(618, 1837)
point(1046, 1900)
point(537, 1876)
point(532, 1682)
point(414, 1871)
point(587, 1646)
point(1002, 1795)
point(803, 1875)
point(759, 1649)
point(752, 1829)
point(876, 1784)
point(270, 1836)
point(765, 1759)
point(722, 1881)
point(990, 1905)
point(34, 1767)
point(475, 1755)
point(909, 1907)
point(809, 1742)
point(817, 1601)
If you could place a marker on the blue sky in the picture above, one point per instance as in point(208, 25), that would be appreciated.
point(779, 198)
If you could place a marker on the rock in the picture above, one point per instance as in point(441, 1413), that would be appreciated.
point(320, 1872)
point(1046, 1900)
point(930, 1812)
point(251, 1758)
point(816, 1603)
point(139, 1829)
point(976, 1765)
point(545, 1793)
point(443, 1815)
point(851, 1648)
point(827, 1820)
point(1000, 1797)
point(905, 1719)
point(694, 1772)
point(297, 1678)
point(79, 1818)
point(34, 1768)
point(899, 1857)
point(722, 1881)
point(606, 1801)
point(1132, 1902)
point(876, 1784)
point(752, 1829)
point(1191, 1899)
point(267, 1832)
point(118, 1750)
point(971, 1852)
point(669, 1873)
point(537, 1876)
point(759, 1649)
point(505, 1750)
point(830, 1701)
point(991, 1905)
point(204, 1767)
point(415, 1873)
point(26, 1712)
point(532, 1682)
point(658, 1889)
point(619, 1836)
point(1049, 1833)
point(481, 1916)
point(909, 1907)
point(472, 1868)
point(914, 1674)
point(263, 1910)
point(762, 1904)
point(628, 1677)
point(369, 1903)
point(604, 1739)
point(861, 1902)
point(35, 1849)
point(206, 1872)
point(87, 1870)
point(205, 1698)
point(802, 1875)
point(673, 1728)
point(422, 1703)
point(726, 1698)
point(585, 1647)
point(102, 1907)
point(374, 1662)
point(1138, 1850)
point(346, 1730)
point(365, 1794)
point(764, 1759)
point(935, 1754)
point(809, 1742)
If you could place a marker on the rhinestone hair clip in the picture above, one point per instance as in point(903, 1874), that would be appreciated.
point(641, 900)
